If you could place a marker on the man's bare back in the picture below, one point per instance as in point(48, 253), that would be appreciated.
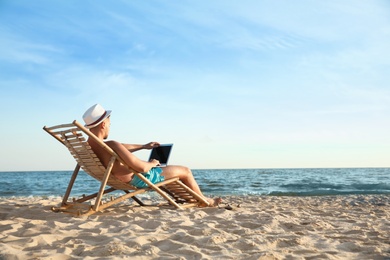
point(122, 172)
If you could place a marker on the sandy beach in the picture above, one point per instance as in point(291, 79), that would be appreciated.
point(261, 227)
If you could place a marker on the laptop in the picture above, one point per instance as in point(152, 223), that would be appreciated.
point(161, 154)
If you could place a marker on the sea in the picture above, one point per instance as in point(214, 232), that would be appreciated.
point(219, 182)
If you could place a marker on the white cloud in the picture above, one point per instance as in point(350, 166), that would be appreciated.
point(228, 74)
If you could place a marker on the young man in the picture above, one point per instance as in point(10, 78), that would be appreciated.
point(97, 120)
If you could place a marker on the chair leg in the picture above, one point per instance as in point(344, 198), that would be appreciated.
point(104, 183)
point(138, 201)
point(70, 185)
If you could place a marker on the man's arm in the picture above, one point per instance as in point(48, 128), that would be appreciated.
point(136, 147)
point(131, 160)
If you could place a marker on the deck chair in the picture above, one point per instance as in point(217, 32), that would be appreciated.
point(74, 137)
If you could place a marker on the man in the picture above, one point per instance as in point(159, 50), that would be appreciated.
point(97, 120)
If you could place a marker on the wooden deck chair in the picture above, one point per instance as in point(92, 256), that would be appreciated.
point(74, 137)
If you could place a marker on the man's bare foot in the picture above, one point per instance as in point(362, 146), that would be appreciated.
point(214, 202)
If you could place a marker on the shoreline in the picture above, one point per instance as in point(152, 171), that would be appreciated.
point(257, 227)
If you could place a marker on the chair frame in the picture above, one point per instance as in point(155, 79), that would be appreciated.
point(176, 193)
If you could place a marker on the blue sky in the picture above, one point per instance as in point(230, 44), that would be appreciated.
point(233, 84)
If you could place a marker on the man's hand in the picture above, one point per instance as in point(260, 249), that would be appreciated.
point(151, 145)
point(155, 162)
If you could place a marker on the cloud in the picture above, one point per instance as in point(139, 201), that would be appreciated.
point(236, 74)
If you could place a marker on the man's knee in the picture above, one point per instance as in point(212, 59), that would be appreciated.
point(187, 170)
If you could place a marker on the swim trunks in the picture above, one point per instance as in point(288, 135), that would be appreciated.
point(153, 175)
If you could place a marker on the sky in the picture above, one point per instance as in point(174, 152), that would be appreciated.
point(233, 84)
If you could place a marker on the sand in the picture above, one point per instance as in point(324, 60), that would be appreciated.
point(262, 227)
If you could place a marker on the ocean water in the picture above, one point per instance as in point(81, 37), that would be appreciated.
point(277, 182)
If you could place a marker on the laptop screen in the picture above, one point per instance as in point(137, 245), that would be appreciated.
point(161, 153)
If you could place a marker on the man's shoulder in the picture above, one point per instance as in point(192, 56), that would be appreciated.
point(110, 142)
point(113, 144)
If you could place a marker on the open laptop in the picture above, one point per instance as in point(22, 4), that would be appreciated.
point(161, 154)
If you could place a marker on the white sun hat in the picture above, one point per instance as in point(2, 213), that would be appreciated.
point(95, 115)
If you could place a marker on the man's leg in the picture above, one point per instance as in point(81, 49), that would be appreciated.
point(185, 175)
